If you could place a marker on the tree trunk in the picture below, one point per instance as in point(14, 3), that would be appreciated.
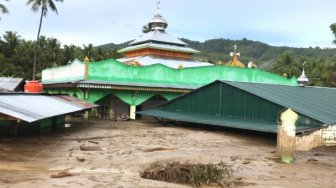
point(37, 42)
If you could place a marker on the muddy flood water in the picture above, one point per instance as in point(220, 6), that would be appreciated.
point(112, 154)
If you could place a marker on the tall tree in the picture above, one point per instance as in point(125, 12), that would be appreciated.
point(333, 29)
point(3, 9)
point(12, 42)
point(44, 5)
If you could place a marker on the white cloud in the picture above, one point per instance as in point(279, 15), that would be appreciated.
point(279, 22)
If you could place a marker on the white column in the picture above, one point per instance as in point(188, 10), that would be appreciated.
point(286, 136)
point(132, 111)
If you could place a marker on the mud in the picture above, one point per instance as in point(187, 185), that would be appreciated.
point(127, 148)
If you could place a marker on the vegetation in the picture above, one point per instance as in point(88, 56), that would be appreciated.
point(287, 61)
point(3, 9)
point(333, 30)
point(16, 54)
point(193, 174)
point(36, 5)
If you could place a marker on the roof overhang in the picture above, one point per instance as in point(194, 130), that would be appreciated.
point(159, 47)
point(33, 107)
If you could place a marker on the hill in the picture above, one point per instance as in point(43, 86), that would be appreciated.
point(262, 54)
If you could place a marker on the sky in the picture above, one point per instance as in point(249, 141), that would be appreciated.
point(294, 23)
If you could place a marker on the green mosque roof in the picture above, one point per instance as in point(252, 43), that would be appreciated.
point(158, 74)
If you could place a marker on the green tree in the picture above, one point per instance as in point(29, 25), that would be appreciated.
point(71, 52)
point(286, 65)
point(333, 30)
point(12, 42)
point(88, 51)
point(3, 9)
point(44, 5)
point(145, 29)
point(53, 49)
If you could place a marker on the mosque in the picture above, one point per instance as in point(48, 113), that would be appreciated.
point(156, 67)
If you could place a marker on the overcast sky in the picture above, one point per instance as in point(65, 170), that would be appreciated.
point(295, 23)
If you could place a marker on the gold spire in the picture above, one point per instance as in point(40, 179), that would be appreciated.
point(235, 61)
point(86, 68)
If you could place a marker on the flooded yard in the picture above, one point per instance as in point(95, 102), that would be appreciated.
point(113, 154)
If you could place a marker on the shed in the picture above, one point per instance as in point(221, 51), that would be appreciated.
point(251, 106)
point(8, 84)
point(40, 111)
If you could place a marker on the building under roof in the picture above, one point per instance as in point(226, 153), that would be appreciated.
point(8, 84)
point(109, 82)
point(27, 109)
point(252, 106)
point(157, 67)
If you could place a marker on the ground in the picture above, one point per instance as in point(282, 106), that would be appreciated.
point(112, 154)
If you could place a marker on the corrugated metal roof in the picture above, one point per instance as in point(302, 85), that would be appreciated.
point(10, 84)
point(158, 36)
point(169, 62)
point(138, 84)
point(209, 119)
point(34, 107)
point(316, 102)
point(159, 47)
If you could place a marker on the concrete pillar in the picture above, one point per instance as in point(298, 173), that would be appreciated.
point(132, 111)
point(112, 108)
point(13, 128)
point(54, 124)
point(286, 136)
point(86, 115)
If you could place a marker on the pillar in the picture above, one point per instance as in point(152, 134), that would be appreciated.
point(86, 115)
point(286, 136)
point(112, 108)
point(14, 128)
point(132, 111)
point(54, 123)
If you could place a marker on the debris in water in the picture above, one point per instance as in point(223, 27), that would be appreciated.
point(83, 147)
point(194, 174)
point(61, 175)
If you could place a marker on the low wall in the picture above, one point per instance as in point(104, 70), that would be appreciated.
point(325, 136)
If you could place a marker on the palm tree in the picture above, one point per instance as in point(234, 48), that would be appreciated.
point(53, 49)
point(4, 9)
point(44, 5)
point(88, 50)
point(333, 29)
point(12, 42)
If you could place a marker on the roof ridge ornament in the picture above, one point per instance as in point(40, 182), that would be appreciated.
point(235, 61)
point(303, 79)
point(158, 7)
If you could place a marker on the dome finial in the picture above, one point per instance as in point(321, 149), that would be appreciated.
point(158, 22)
point(303, 80)
point(158, 6)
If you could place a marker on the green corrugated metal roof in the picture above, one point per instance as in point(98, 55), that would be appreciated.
point(315, 102)
point(262, 126)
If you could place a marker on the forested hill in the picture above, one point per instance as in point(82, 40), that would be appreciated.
point(16, 56)
point(320, 67)
point(262, 54)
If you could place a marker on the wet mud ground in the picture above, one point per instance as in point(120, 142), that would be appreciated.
point(112, 154)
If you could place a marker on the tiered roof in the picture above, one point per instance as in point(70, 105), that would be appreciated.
point(161, 47)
